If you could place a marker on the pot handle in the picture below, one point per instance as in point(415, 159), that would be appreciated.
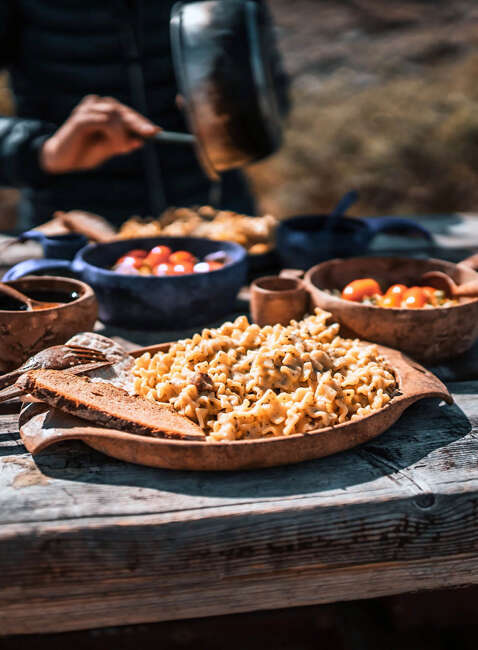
point(33, 266)
point(35, 235)
point(387, 224)
point(471, 262)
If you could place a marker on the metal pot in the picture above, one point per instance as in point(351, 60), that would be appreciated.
point(224, 58)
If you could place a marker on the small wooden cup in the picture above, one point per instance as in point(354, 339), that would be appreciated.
point(277, 299)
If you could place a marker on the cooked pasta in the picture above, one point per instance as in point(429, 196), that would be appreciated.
point(243, 381)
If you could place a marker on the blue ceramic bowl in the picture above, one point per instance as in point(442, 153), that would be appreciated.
point(57, 247)
point(150, 302)
point(307, 240)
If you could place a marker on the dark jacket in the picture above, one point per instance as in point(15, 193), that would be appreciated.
point(58, 51)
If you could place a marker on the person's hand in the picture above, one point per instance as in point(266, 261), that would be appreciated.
point(97, 129)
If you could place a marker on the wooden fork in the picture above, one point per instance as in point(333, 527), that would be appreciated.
point(57, 357)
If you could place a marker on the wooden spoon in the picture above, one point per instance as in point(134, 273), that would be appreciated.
point(443, 282)
point(31, 304)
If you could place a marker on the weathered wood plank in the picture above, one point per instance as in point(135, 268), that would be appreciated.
point(88, 541)
point(113, 604)
point(71, 481)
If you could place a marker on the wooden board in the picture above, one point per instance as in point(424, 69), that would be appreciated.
point(88, 541)
point(41, 428)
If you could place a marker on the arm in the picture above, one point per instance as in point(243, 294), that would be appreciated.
point(98, 128)
point(20, 140)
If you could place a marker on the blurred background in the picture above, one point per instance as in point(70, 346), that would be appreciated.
point(385, 100)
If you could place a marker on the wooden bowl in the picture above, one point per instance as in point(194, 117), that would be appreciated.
point(430, 335)
point(40, 428)
point(24, 333)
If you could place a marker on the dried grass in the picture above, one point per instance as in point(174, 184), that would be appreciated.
point(408, 145)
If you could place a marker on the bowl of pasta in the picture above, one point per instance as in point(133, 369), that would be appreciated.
point(260, 397)
point(385, 300)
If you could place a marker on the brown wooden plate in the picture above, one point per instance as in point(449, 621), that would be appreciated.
point(41, 427)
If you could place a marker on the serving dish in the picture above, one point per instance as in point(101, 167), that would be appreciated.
point(305, 240)
point(24, 333)
point(430, 335)
point(146, 302)
point(40, 428)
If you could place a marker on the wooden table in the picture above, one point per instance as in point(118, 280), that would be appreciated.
point(87, 541)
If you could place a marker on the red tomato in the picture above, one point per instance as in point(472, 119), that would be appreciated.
point(360, 289)
point(173, 269)
point(396, 290)
point(128, 261)
point(137, 252)
point(158, 255)
point(180, 257)
point(184, 267)
point(163, 269)
point(393, 296)
point(126, 266)
point(414, 298)
point(204, 267)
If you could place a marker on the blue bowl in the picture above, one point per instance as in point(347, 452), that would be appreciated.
point(151, 302)
point(57, 247)
point(307, 240)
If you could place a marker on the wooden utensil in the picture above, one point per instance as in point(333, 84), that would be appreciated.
point(40, 428)
point(443, 282)
point(30, 303)
point(56, 357)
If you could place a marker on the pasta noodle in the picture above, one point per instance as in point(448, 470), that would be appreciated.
point(243, 381)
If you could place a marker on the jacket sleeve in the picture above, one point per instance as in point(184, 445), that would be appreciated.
point(20, 139)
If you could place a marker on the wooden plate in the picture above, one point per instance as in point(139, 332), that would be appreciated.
point(41, 427)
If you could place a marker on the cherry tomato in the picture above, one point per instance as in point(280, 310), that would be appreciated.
point(167, 268)
point(414, 298)
point(184, 267)
point(163, 269)
point(204, 267)
point(396, 290)
point(391, 301)
point(127, 266)
point(127, 261)
point(158, 255)
point(431, 296)
point(393, 296)
point(137, 252)
point(179, 257)
point(359, 289)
